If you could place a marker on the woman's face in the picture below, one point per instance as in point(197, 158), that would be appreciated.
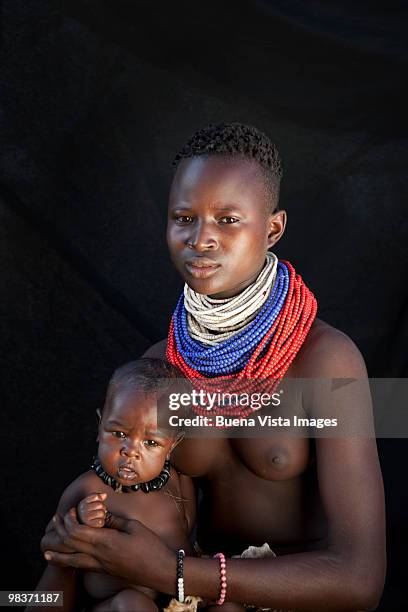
point(131, 447)
point(219, 225)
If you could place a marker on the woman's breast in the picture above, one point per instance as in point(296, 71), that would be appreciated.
point(274, 458)
point(264, 491)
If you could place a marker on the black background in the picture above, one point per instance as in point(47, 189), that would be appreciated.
point(96, 98)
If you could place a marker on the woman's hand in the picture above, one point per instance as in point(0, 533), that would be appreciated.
point(126, 549)
point(51, 539)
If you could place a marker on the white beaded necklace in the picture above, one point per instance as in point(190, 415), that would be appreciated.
point(212, 321)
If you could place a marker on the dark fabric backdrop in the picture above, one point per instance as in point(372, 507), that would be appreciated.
point(96, 97)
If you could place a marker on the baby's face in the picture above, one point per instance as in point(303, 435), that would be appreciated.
point(131, 447)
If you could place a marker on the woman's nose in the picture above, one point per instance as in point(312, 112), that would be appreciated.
point(202, 237)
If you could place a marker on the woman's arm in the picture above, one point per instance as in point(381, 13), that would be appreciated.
point(347, 575)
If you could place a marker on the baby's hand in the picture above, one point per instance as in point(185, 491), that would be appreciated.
point(92, 511)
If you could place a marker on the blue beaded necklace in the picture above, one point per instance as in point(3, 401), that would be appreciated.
point(232, 355)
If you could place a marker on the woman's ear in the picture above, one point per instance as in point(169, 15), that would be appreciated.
point(276, 226)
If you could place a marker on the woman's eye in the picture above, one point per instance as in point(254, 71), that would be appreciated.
point(119, 434)
point(184, 219)
point(229, 220)
point(151, 443)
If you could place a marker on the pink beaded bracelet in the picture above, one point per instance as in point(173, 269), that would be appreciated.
point(223, 577)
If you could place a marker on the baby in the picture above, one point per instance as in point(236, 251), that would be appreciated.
point(131, 477)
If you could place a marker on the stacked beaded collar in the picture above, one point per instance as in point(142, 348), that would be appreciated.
point(211, 321)
point(263, 349)
point(152, 485)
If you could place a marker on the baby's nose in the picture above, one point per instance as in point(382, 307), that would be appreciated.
point(132, 450)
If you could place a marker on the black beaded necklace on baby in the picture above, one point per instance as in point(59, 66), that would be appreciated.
point(151, 485)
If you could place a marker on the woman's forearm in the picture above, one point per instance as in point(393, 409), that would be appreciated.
point(306, 581)
point(346, 578)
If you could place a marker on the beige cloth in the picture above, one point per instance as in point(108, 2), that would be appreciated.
point(258, 552)
point(189, 605)
point(252, 552)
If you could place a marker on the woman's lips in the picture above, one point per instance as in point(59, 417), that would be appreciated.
point(201, 269)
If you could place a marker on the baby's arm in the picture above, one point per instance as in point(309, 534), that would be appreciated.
point(65, 579)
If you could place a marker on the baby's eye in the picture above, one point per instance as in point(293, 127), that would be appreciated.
point(183, 219)
point(119, 434)
point(229, 220)
point(151, 443)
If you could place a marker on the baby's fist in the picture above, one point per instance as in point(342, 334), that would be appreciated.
point(92, 511)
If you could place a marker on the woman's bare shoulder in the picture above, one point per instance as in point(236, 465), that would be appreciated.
point(157, 351)
point(330, 352)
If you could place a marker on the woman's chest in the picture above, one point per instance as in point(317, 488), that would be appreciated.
point(266, 491)
point(236, 459)
point(258, 478)
point(257, 490)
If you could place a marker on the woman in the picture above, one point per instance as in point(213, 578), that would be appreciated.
point(317, 503)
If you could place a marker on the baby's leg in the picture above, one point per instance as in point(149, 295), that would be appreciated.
point(128, 600)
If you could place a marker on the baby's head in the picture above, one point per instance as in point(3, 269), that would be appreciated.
point(132, 446)
point(223, 211)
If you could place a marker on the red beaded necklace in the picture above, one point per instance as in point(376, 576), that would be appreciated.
point(273, 355)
